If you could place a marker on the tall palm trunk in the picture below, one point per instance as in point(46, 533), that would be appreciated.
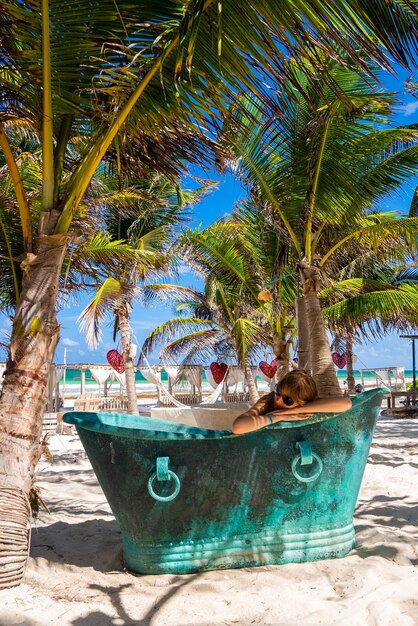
point(125, 336)
point(282, 357)
point(350, 370)
point(303, 335)
point(34, 338)
point(323, 370)
point(250, 383)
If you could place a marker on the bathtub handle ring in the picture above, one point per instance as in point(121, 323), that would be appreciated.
point(163, 474)
point(306, 457)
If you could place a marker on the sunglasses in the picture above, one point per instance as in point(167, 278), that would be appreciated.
point(287, 400)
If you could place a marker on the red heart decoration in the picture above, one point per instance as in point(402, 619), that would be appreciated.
point(218, 371)
point(116, 361)
point(268, 369)
point(339, 360)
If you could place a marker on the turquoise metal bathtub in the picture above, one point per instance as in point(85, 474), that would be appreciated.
point(189, 499)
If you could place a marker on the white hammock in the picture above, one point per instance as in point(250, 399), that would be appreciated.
point(120, 377)
point(194, 377)
point(210, 379)
point(217, 392)
point(150, 375)
point(59, 373)
point(100, 373)
point(173, 372)
point(235, 375)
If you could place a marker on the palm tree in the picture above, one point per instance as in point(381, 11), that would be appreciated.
point(101, 75)
point(218, 322)
point(384, 301)
point(246, 249)
point(145, 215)
point(236, 257)
point(315, 171)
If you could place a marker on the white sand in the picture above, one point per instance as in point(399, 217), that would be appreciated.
point(75, 573)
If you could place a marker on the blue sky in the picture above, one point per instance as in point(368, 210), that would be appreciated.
point(391, 351)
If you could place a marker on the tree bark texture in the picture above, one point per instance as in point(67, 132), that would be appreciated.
point(323, 370)
point(303, 335)
point(35, 334)
point(250, 383)
point(126, 341)
point(322, 366)
point(350, 370)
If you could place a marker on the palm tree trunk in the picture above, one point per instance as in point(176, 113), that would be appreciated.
point(350, 371)
point(323, 370)
point(250, 383)
point(303, 335)
point(125, 336)
point(282, 357)
point(34, 338)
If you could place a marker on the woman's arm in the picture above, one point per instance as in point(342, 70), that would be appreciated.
point(254, 418)
point(322, 405)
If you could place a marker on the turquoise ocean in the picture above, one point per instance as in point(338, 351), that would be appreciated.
point(73, 376)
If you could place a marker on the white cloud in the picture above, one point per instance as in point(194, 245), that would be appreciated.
point(142, 325)
point(184, 269)
point(410, 108)
point(70, 342)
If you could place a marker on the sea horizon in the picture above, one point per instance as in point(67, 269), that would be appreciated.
point(73, 376)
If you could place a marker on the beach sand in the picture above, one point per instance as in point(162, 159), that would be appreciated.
point(75, 573)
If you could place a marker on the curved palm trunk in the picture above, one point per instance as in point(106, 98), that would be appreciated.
point(323, 370)
point(282, 357)
point(250, 383)
point(34, 338)
point(125, 336)
point(350, 370)
point(303, 335)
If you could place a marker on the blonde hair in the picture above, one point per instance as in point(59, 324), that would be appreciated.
point(298, 385)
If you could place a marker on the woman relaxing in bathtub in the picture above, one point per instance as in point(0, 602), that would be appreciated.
point(294, 398)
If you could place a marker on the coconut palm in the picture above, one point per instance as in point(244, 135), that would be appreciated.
point(238, 256)
point(373, 306)
point(235, 258)
point(247, 250)
point(145, 215)
point(315, 172)
point(218, 322)
point(108, 76)
point(88, 244)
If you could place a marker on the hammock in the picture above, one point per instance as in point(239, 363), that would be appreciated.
point(152, 377)
point(100, 373)
point(193, 375)
point(59, 372)
point(218, 390)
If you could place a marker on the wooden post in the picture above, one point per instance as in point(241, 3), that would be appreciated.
point(83, 380)
point(57, 393)
point(50, 389)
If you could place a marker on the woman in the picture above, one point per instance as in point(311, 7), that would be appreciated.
point(293, 398)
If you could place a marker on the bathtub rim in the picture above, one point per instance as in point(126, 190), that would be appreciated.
point(144, 427)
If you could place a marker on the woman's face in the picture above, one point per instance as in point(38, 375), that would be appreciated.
point(283, 401)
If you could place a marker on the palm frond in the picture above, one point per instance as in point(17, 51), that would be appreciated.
point(110, 293)
point(378, 312)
